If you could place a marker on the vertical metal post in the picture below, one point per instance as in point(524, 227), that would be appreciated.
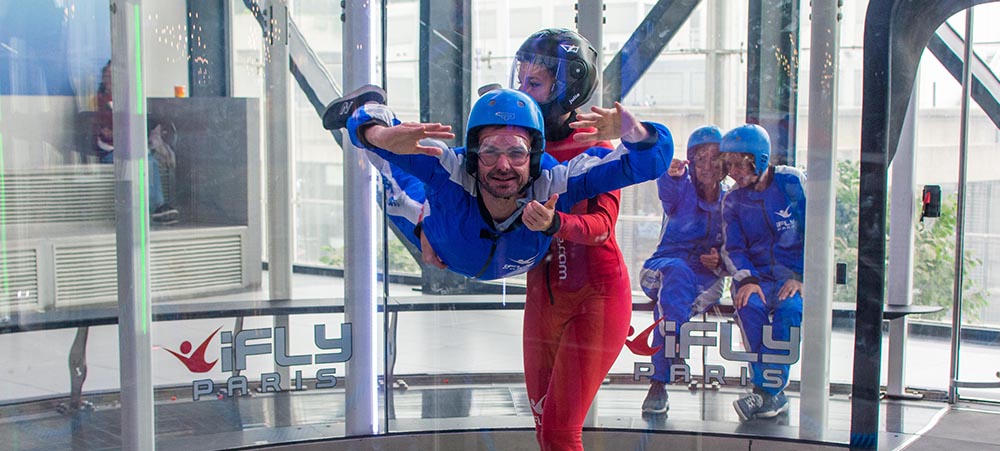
point(279, 152)
point(873, 182)
point(388, 340)
point(772, 73)
point(359, 236)
point(963, 150)
point(817, 288)
point(901, 215)
point(590, 24)
point(445, 84)
point(280, 169)
point(132, 225)
point(208, 47)
point(718, 94)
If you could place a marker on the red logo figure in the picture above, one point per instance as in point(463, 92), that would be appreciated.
point(640, 344)
point(196, 362)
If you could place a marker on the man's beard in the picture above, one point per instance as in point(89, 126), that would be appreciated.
point(511, 188)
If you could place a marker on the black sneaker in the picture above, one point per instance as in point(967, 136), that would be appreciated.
point(656, 398)
point(748, 406)
point(166, 214)
point(340, 110)
point(773, 405)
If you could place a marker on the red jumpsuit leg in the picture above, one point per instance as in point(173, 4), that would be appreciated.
point(569, 347)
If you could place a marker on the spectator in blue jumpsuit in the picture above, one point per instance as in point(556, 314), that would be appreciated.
point(764, 229)
point(683, 276)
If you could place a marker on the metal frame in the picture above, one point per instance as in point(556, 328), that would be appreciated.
point(132, 226)
point(640, 51)
point(208, 48)
point(445, 82)
point(772, 82)
point(817, 315)
point(947, 45)
point(896, 32)
point(360, 236)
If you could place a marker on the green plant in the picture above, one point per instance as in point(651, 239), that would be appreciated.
point(933, 252)
point(333, 256)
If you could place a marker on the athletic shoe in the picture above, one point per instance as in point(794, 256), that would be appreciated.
point(773, 405)
point(166, 214)
point(656, 398)
point(340, 110)
point(748, 406)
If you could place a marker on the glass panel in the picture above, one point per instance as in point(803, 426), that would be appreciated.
point(981, 303)
point(57, 224)
point(453, 351)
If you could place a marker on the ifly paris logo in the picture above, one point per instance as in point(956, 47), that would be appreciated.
point(698, 333)
point(196, 361)
point(786, 222)
point(257, 342)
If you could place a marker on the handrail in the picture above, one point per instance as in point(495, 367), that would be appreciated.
point(67, 317)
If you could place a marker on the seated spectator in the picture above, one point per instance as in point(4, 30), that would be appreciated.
point(683, 276)
point(160, 152)
point(764, 230)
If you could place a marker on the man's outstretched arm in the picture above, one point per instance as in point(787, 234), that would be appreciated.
point(413, 147)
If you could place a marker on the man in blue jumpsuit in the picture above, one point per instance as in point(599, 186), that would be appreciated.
point(764, 228)
point(486, 204)
point(683, 276)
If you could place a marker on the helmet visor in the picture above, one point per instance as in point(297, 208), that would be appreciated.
point(542, 77)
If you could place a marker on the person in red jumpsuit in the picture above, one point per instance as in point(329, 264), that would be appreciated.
point(579, 301)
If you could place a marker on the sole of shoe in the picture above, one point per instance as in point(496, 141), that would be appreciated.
point(651, 410)
point(773, 413)
point(340, 110)
point(166, 217)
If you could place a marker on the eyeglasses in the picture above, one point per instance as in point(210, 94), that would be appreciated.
point(489, 156)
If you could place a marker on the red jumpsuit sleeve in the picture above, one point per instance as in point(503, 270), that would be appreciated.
point(593, 227)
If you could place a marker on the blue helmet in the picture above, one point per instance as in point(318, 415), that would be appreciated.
point(708, 134)
point(505, 107)
point(751, 139)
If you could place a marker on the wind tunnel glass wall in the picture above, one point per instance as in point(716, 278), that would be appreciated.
point(451, 352)
point(939, 96)
point(57, 202)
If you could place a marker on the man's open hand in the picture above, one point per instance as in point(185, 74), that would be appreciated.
point(611, 123)
point(404, 139)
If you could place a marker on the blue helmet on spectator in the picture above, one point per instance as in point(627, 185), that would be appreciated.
point(708, 134)
point(750, 139)
point(505, 107)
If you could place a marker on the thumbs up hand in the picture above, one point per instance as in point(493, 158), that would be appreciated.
point(710, 260)
point(538, 217)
